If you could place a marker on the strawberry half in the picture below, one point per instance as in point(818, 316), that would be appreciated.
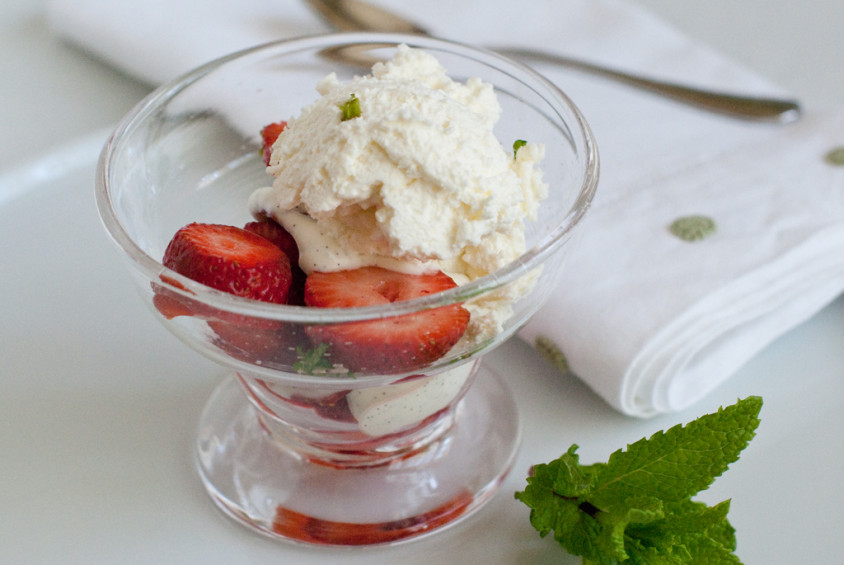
point(169, 303)
point(267, 344)
point(396, 344)
point(271, 230)
point(230, 259)
point(269, 134)
point(332, 407)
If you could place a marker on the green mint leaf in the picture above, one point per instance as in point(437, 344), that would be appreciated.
point(680, 462)
point(312, 361)
point(689, 516)
point(518, 144)
point(554, 495)
point(611, 538)
point(350, 108)
point(689, 530)
point(707, 551)
point(637, 507)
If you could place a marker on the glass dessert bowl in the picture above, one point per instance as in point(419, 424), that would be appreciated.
point(296, 442)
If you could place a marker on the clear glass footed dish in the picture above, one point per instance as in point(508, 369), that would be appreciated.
point(291, 443)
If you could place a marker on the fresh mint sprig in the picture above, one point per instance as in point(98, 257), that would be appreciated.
point(636, 508)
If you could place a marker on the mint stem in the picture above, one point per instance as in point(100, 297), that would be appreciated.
point(584, 506)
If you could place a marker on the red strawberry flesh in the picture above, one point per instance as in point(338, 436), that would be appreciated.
point(232, 260)
point(171, 304)
point(394, 344)
point(267, 344)
point(274, 232)
point(269, 134)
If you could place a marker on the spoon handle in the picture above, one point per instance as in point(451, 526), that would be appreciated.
point(745, 107)
point(358, 15)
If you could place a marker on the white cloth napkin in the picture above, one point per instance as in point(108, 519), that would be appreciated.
point(651, 322)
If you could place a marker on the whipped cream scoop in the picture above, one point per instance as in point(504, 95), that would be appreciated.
point(417, 181)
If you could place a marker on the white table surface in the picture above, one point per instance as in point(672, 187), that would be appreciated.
point(96, 467)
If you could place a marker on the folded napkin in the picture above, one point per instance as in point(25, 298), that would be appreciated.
point(649, 318)
point(653, 322)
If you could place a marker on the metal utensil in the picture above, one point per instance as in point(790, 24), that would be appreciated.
point(357, 15)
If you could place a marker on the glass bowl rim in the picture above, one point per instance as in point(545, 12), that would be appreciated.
point(178, 284)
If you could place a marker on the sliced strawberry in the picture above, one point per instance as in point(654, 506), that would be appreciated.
point(269, 134)
point(169, 303)
point(396, 344)
point(332, 407)
point(273, 231)
point(232, 260)
point(267, 344)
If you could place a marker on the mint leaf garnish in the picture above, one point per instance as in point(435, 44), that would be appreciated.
point(637, 507)
point(317, 361)
point(350, 108)
point(312, 361)
point(518, 144)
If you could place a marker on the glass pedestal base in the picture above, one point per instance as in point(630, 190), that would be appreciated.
point(269, 487)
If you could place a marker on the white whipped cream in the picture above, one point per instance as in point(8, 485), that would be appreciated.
point(388, 409)
point(417, 182)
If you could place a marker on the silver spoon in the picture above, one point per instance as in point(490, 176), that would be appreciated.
point(357, 15)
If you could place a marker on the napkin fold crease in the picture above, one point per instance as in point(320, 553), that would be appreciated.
point(650, 322)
